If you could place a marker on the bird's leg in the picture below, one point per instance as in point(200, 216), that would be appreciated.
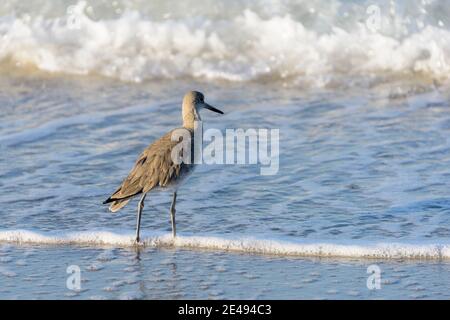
point(172, 215)
point(138, 222)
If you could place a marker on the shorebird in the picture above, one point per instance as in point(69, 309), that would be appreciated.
point(155, 169)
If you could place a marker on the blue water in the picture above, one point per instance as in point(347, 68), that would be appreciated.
point(350, 167)
point(355, 167)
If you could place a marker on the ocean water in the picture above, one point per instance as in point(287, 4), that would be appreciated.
point(364, 156)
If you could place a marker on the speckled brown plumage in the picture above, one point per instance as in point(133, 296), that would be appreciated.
point(154, 168)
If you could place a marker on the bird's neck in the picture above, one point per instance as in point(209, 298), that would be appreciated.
point(189, 117)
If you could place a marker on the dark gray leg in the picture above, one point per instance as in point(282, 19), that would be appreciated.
point(172, 215)
point(138, 222)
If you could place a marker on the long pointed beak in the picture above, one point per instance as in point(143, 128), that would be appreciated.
point(209, 107)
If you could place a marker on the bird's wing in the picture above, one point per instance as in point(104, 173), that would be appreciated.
point(153, 168)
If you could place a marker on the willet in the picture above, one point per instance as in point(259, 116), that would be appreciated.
point(155, 168)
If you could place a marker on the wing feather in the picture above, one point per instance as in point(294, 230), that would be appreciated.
point(153, 168)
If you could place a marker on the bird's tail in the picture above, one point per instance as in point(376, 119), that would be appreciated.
point(119, 201)
point(117, 205)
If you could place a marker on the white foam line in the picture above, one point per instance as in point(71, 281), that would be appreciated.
point(245, 244)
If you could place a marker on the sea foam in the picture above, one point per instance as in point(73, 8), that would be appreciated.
point(314, 42)
point(249, 245)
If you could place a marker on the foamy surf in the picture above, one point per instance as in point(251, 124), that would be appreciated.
point(291, 42)
point(244, 245)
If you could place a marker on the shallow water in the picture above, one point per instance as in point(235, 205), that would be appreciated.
point(114, 273)
point(350, 167)
point(364, 153)
point(355, 167)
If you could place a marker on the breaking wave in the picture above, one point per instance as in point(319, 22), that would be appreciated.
point(315, 42)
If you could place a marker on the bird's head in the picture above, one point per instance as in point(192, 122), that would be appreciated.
point(193, 102)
